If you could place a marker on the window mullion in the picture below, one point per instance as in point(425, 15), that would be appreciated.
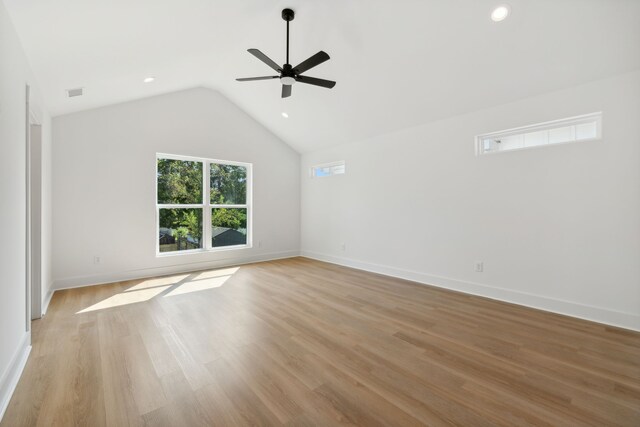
point(169, 206)
point(214, 206)
point(206, 200)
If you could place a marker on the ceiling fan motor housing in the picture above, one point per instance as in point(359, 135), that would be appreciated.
point(288, 75)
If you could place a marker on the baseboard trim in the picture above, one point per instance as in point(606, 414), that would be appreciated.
point(10, 378)
point(101, 279)
point(595, 314)
point(47, 300)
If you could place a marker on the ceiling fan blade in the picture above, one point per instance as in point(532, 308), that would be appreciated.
point(264, 58)
point(250, 79)
point(316, 82)
point(286, 91)
point(316, 59)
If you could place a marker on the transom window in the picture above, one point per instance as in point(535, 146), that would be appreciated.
point(581, 128)
point(202, 204)
point(327, 169)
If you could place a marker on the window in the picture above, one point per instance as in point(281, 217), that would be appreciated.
point(202, 204)
point(581, 128)
point(327, 169)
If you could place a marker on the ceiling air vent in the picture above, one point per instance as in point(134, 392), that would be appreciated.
point(75, 92)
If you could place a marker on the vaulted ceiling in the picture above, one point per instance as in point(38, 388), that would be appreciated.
point(397, 63)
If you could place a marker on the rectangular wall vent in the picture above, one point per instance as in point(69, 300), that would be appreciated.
point(75, 92)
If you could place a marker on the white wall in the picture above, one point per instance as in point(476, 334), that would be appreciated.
point(14, 76)
point(557, 227)
point(104, 184)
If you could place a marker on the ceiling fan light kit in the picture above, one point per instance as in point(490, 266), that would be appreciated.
point(289, 75)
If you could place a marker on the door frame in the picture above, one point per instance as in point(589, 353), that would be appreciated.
point(33, 211)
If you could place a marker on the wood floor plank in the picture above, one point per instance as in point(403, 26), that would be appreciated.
point(247, 404)
point(298, 342)
point(185, 411)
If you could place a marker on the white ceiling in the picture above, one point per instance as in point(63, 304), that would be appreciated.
point(397, 63)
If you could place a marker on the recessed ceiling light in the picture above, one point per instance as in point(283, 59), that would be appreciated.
point(500, 13)
point(285, 115)
point(149, 79)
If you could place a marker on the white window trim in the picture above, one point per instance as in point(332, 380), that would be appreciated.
point(312, 169)
point(553, 124)
point(206, 206)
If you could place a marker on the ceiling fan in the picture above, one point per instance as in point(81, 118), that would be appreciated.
point(289, 75)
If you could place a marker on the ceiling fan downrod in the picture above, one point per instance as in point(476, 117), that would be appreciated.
point(288, 15)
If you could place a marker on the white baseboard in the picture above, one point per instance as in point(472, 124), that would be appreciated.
point(596, 314)
point(101, 279)
point(11, 375)
point(47, 300)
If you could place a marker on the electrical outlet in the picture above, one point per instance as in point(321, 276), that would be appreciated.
point(259, 243)
point(96, 260)
point(479, 266)
point(343, 246)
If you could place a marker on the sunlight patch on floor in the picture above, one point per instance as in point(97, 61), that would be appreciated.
point(160, 281)
point(198, 285)
point(126, 298)
point(217, 273)
point(178, 284)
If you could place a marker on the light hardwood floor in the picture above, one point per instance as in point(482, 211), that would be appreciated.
point(300, 342)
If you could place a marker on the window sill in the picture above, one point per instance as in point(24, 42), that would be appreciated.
point(202, 251)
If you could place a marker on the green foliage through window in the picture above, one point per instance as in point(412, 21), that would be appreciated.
point(228, 184)
point(179, 182)
point(180, 229)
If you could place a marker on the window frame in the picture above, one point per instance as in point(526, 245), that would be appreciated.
point(205, 205)
point(331, 165)
point(545, 126)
